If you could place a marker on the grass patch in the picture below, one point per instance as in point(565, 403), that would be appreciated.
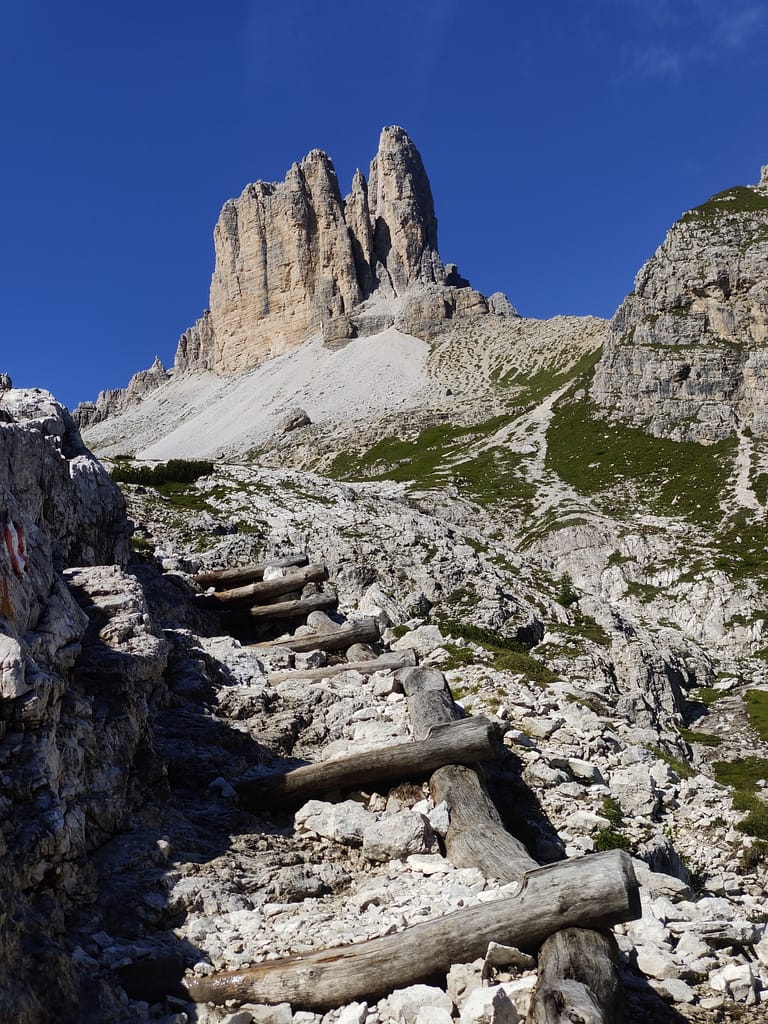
point(175, 471)
point(743, 776)
point(668, 477)
point(677, 764)
point(535, 388)
point(458, 657)
point(707, 695)
point(739, 199)
point(706, 738)
point(756, 702)
point(508, 655)
point(611, 839)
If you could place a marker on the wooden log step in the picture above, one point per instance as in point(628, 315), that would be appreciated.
point(578, 979)
point(246, 573)
point(577, 967)
point(360, 631)
point(474, 739)
point(476, 836)
point(384, 663)
point(597, 891)
point(295, 609)
point(263, 592)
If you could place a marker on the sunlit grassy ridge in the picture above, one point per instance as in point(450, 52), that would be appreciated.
point(665, 477)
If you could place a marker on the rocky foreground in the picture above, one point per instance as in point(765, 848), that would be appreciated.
point(130, 718)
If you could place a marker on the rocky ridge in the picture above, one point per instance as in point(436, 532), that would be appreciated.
point(73, 720)
point(685, 354)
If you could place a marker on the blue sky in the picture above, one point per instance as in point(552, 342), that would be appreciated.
point(562, 139)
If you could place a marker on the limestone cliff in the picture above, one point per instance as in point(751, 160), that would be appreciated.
point(686, 354)
point(71, 724)
point(294, 259)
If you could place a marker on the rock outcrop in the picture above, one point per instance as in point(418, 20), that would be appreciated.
point(294, 259)
point(78, 664)
point(115, 400)
point(686, 354)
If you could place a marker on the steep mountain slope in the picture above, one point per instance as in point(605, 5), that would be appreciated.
point(685, 357)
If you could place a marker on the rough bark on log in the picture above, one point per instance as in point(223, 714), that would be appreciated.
point(458, 743)
point(359, 631)
point(577, 980)
point(384, 663)
point(294, 609)
point(577, 974)
point(551, 898)
point(476, 837)
point(253, 593)
point(246, 573)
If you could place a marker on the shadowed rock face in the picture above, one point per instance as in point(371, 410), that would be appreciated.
point(685, 356)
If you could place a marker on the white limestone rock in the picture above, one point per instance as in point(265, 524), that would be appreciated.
point(397, 836)
point(489, 1006)
point(344, 822)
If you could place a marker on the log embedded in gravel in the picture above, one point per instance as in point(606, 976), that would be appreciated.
point(360, 631)
point(284, 609)
point(577, 979)
point(476, 836)
point(600, 894)
point(266, 590)
point(458, 743)
point(577, 973)
point(384, 663)
point(246, 573)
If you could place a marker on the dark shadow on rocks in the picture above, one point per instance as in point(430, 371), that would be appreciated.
point(180, 817)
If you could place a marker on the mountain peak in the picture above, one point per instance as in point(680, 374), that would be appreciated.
point(294, 259)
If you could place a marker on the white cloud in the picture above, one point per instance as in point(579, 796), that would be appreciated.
point(657, 62)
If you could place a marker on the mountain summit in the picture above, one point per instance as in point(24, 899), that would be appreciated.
point(294, 259)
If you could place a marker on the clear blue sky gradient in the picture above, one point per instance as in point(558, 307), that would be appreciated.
point(562, 139)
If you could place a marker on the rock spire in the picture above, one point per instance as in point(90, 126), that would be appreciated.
point(294, 258)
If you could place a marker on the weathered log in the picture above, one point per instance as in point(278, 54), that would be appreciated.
point(246, 573)
point(295, 609)
point(577, 974)
point(266, 590)
point(464, 742)
point(476, 836)
point(360, 631)
point(577, 980)
point(600, 894)
point(384, 663)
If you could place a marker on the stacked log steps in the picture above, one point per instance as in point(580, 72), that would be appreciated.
point(567, 906)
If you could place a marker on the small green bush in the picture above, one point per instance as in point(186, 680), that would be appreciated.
point(566, 595)
point(175, 471)
point(610, 839)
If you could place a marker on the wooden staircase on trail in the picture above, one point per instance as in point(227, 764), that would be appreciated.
point(563, 910)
